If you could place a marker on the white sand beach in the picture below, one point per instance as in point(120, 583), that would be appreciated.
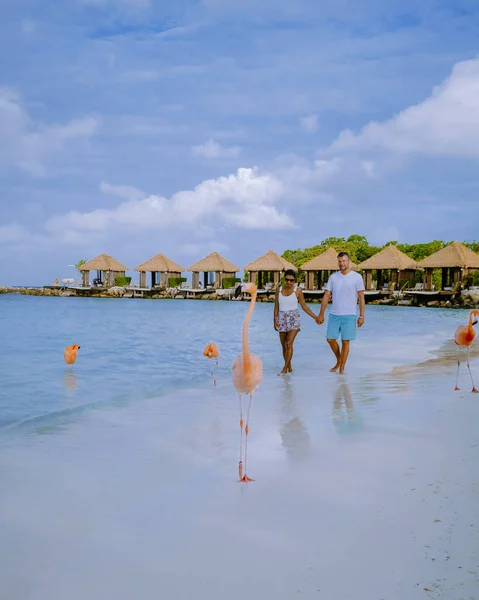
point(364, 488)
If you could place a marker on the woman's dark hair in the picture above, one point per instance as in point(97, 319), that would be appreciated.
point(290, 273)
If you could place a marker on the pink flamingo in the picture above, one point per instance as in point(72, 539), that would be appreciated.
point(247, 375)
point(70, 354)
point(211, 351)
point(464, 337)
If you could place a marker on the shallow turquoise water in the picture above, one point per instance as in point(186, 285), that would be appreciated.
point(134, 349)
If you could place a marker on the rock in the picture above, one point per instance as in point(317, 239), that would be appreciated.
point(433, 303)
point(116, 291)
point(470, 298)
point(447, 304)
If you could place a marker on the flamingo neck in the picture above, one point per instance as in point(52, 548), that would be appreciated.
point(247, 319)
point(470, 327)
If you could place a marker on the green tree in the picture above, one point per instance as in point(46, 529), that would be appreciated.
point(79, 264)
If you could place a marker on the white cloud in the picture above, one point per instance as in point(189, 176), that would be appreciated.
point(195, 250)
point(309, 124)
point(122, 191)
point(212, 149)
point(12, 233)
point(27, 145)
point(245, 199)
point(445, 124)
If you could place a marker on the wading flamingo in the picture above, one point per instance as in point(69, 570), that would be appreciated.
point(464, 337)
point(70, 354)
point(211, 351)
point(247, 375)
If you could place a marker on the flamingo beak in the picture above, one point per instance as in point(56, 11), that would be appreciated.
point(238, 290)
point(474, 322)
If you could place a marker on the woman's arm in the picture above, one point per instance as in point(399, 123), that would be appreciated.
point(304, 306)
point(324, 304)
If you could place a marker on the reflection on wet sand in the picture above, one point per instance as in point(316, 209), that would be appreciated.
point(294, 432)
point(445, 357)
point(345, 418)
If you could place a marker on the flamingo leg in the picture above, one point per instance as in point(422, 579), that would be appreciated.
point(457, 373)
point(240, 465)
point(213, 375)
point(245, 477)
point(469, 368)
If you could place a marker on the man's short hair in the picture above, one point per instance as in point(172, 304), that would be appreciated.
point(344, 254)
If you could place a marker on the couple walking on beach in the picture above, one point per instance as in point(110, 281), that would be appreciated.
point(346, 288)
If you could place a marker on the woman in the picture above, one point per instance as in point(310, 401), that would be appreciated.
point(286, 316)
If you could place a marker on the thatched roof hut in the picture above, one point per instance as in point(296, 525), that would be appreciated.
point(319, 268)
point(108, 270)
point(103, 262)
point(213, 263)
point(271, 261)
point(159, 264)
point(455, 261)
point(389, 257)
point(400, 266)
point(454, 255)
point(326, 261)
point(268, 268)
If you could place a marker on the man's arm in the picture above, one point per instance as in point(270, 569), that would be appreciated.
point(362, 306)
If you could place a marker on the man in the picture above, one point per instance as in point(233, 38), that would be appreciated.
point(346, 286)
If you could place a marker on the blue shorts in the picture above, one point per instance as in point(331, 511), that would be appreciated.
point(341, 324)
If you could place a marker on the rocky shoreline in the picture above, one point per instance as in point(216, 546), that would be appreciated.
point(466, 299)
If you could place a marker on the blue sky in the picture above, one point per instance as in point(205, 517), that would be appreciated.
point(134, 127)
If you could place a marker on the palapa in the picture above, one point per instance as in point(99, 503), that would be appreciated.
point(271, 261)
point(454, 255)
point(160, 264)
point(326, 261)
point(103, 262)
point(389, 257)
point(214, 263)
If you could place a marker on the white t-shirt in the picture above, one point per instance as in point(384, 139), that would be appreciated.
point(344, 289)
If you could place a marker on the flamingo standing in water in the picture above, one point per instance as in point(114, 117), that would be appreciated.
point(70, 354)
point(464, 337)
point(211, 351)
point(247, 375)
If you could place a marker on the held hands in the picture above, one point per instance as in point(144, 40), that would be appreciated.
point(320, 319)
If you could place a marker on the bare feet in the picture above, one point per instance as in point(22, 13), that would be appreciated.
point(335, 368)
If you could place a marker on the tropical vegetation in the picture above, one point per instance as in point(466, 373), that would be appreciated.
point(359, 249)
